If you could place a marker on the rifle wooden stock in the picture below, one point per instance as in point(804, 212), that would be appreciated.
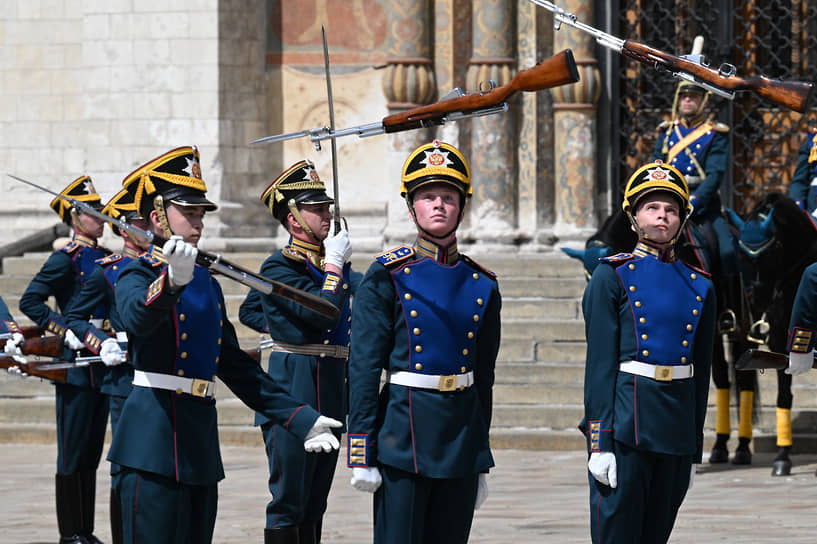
point(755, 359)
point(32, 370)
point(47, 346)
point(560, 69)
point(790, 94)
point(27, 332)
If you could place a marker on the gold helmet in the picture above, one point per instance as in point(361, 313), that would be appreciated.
point(656, 176)
point(436, 162)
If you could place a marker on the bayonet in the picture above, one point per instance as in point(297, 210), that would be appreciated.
point(336, 195)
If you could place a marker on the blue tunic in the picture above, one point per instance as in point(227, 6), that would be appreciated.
point(186, 333)
point(802, 189)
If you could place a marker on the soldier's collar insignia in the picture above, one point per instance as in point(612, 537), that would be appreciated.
point(131, 251)
point(83, 240)
point(302, 250)
point(644, 248)
point(444, 255)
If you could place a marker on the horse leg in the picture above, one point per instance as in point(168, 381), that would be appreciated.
point(781, 466)
point(745, 381)
point(720, 376)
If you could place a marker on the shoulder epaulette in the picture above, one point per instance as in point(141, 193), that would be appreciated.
point(150, 259)
point(71, 247)
point(293, 255)
point(476, 265)
point(617, 258)
point(395, 255)
point(717, 126)
point(109, 259)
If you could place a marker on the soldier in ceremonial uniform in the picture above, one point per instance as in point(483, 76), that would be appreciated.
point(698, 146)
point(650, 323)
point(311, 350)
point(803, 324)
point(802, 188)
point(430, 317)
point(180, 340)
point(105, 335)
point(82, 409)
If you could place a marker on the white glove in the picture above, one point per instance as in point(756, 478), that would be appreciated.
point(12, 347)
point(111, 354)
point(72, 341)
point(602, 466)
point(366, 479)
point(337, 246)
point(482, 490)
point(181, 260)
point(17, 370)
point(799, 363)
point(320, 438)
point(691, 476)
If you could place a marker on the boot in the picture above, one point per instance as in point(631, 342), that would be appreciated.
point(116, 518)
point(743, 456)
point(719, 452)
point(781, 466)
point(88, 480)
point(281, 535)
point(306, 533)
point(69, 510)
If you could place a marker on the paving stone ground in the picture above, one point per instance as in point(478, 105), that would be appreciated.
point(535, 497)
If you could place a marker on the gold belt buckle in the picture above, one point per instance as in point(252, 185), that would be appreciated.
point(663, 373)
point(199, 387)
point(448, 383)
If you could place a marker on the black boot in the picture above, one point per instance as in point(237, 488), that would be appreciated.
point(88, 479)
point(781, 466)
point(281, 535)
point(116, 518)
point(719, 452)
point(306, 533)
point(742, 454)
point(69, 508)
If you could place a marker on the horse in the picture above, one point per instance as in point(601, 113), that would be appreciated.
point(695, 248)
point(778, 240)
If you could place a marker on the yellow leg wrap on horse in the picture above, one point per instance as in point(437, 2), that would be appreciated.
point(745, 422)
point(783, 427)
point(722, 423)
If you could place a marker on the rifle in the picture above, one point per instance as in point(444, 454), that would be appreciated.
point(755, 359)
point(46, 346)
point(694, 68)
point(214, 263)
point(560, 69)
point(27, 332)
point(32, 370)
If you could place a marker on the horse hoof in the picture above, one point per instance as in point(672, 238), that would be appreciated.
point(781, 467)
point(719, 455)
point(742, 457)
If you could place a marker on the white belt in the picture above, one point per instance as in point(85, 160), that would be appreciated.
point(179, 384)
point(99, 323)
point(122, 336)
point(430, 381)
point(661, 373)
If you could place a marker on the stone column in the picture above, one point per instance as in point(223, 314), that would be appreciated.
point(575, 133)
point(408, 81)
point(493, 138)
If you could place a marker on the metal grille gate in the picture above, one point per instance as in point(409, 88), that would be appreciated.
point(777, 38)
